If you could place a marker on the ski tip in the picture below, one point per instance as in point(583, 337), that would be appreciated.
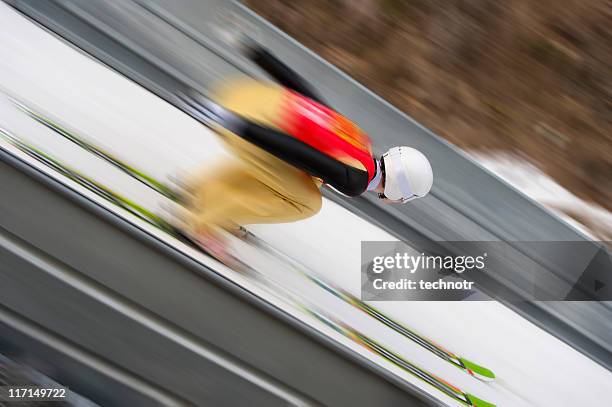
point(476, 402)
point(478, 371)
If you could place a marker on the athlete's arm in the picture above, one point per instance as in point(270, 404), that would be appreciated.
point(349, 180)
point(281, 72)
point(346, 179)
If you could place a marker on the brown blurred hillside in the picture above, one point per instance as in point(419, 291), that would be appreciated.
point(531, 77)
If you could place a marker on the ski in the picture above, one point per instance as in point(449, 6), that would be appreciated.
point(475, 370)
point(471, 368)
point(138, 175)
point(86, 182)
point(293, 298)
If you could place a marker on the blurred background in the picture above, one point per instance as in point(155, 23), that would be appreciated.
point(524, 86)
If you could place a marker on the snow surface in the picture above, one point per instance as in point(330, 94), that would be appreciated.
point(533, 367)
point(587, 217)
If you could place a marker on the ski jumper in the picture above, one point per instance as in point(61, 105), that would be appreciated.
point(276, 176)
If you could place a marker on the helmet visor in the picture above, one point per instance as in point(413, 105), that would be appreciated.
point(382, 195)
point(398, 188)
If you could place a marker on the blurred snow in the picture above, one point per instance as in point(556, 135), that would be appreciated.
point(589, 218)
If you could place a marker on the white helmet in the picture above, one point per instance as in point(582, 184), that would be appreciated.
point(408, 174)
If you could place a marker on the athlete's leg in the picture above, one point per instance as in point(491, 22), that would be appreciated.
point(233, 194)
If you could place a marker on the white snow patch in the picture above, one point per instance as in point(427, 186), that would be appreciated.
point(593, 220)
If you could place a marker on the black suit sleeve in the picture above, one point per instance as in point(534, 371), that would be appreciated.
point(348, 180)
point(282, 73)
